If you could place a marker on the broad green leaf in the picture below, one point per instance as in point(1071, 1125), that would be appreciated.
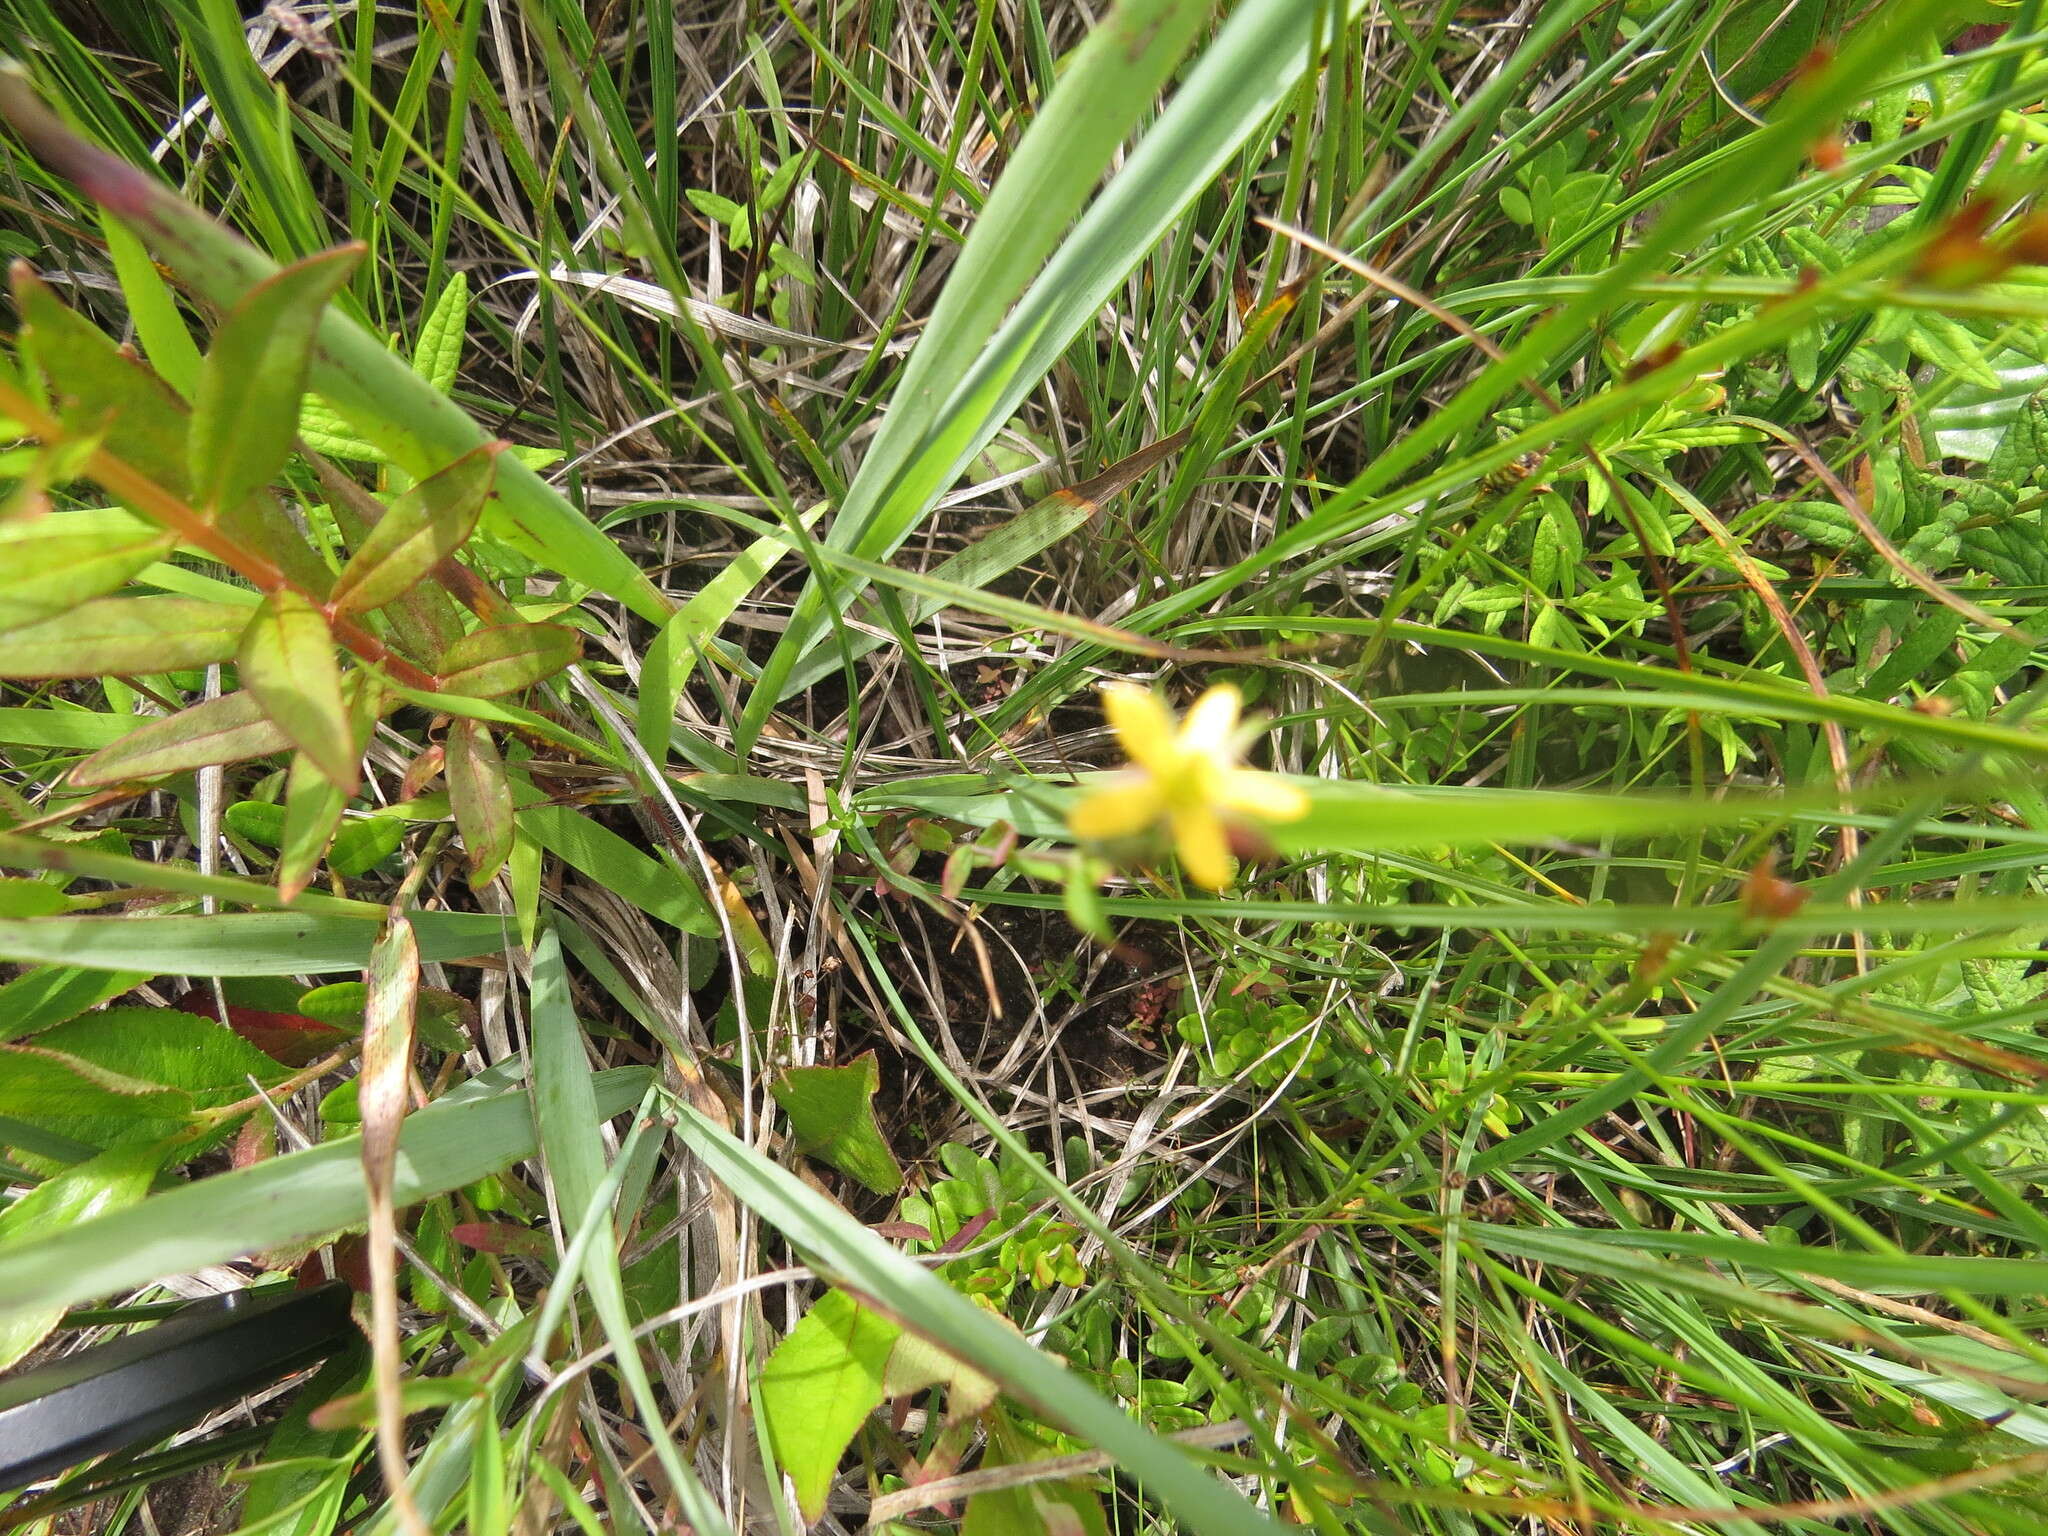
point(245, 412)
point(30, 898)
point(503, 658)
point(49, 994)
point(109, 1181)
point(47, 568)
point(832, 1111)
point(287, 665)
point(480, 795)
point(260, 821)
point(818, 1388)
point(241, 943)
point(121, 1072)
point(418, 531)
point(462, 1137)
point(123, 637)
point(619, 867)
point(223, 730)
point(364, 842)
point(437, 354)
point(1970, 422)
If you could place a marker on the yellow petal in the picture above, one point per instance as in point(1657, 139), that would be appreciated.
point(1264, 795)
point(1124, 807)
point(1204, 852)
point(1142, 723)
point(1212, 721)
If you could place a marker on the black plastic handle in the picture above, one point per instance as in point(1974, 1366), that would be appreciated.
point(143, 1385)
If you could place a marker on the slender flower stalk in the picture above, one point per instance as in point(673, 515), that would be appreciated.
point(1186, 775)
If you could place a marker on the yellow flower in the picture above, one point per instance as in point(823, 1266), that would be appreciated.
point(1187, 777)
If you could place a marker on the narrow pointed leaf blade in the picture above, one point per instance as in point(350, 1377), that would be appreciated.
point(312, 812)
point(503, 658)
point(480, 795)
point(287, 662)
point(223, 730)
point(50, 565)
point(421, 528)
point(247, 407)
point(124, 636)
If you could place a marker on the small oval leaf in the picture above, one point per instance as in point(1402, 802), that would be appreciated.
point(503, 658)
point(124, 636)
point(418, 531)
point(223, 730)
point(287, 661)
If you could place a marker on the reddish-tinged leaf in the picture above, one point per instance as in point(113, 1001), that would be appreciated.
point(246, 412)
point(290, 1038)
point(287, 661)
point(503, 658)
point(101, 388)
point(480, 794)
point(422, 771)
point(223, 730)
point(124, 636)
point(503, 1237)
point(418, 531)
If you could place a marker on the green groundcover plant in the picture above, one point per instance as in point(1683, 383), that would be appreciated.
point(1030, 770)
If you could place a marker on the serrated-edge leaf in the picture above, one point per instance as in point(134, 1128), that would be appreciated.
point(437, 354)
